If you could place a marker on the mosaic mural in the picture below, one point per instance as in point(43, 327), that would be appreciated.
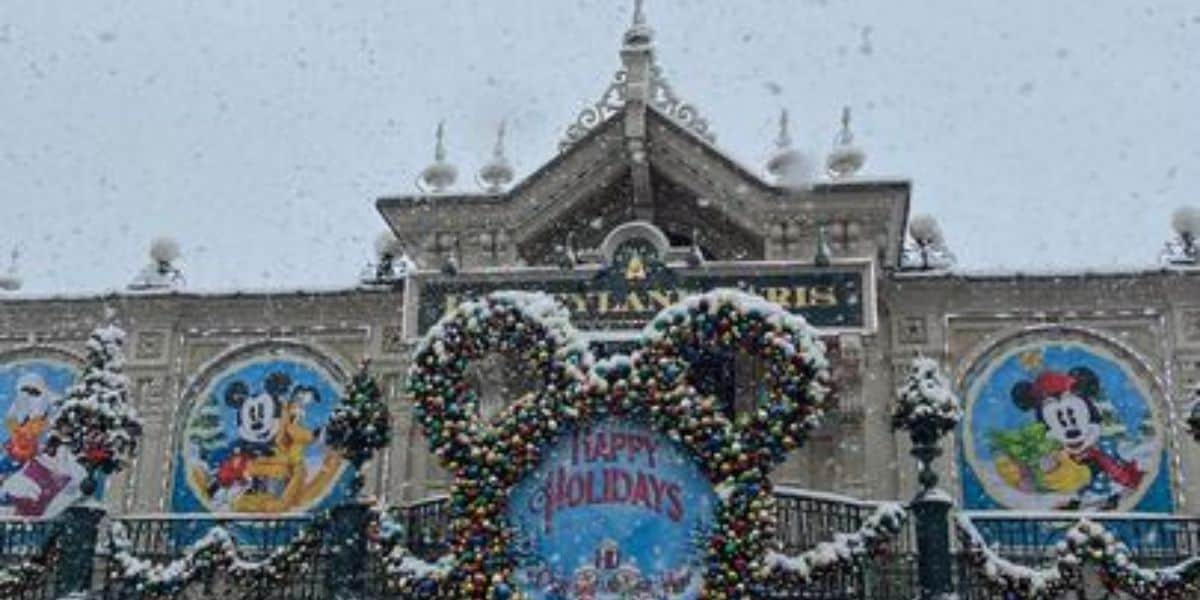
point(253, 441)
point(615, 512)
point(34, 482)
point(1062, 421)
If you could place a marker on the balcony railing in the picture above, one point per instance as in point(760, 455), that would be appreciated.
point(805, 519)
point(1030, 539)
point(165, 537)
point(24, 540)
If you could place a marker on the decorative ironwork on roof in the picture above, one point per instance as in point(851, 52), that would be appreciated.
point(644, 82)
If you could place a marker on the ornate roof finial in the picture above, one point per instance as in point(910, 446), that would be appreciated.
point(11, 281)
point(845, 159)
point(440, 175)
point(639, 81)
point(822, 256)
point(497, 173)
point(787, 165)
point(784, 140)
point(163, 271)
point(639, 33)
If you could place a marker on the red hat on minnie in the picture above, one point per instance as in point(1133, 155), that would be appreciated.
point(1052, 383)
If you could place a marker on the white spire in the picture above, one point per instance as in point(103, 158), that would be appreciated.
point(639, 33)
point(498, 172)
point(788, 166)
point(11, 281)
point(440, 175)
point(845, 159)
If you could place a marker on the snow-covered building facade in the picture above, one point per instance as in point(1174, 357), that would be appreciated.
point(1075, 386)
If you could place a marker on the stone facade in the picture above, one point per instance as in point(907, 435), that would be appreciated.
point(647, 160)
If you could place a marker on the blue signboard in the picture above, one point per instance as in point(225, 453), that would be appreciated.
point(617, 511)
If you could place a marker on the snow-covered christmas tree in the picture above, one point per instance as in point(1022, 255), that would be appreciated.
point(95, 420)
point(925, 397)
point(360, 426)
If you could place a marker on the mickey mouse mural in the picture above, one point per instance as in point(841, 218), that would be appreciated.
point(253, 441)
point(1062, 420)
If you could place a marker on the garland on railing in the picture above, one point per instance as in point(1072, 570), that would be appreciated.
point(30, 573)
point(215, 553)
point(406, 575)
point(846, 551)
point(1085, 542)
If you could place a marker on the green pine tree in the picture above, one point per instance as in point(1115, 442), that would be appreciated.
point(96, 420)
point(360, 426)
point(204, 428)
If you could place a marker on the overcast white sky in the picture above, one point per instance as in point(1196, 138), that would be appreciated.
point(260, 132)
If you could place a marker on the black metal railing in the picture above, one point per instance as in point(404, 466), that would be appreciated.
point(165, 538)
point(807, 518)
point(427, 527)
point(24, 540)
point(1029, 539)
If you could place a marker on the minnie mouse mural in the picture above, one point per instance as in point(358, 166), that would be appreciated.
point(1062, 420)
point(1088, 463)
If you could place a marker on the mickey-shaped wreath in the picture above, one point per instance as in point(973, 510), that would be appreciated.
point(654, 385)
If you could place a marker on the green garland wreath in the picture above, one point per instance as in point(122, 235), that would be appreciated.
point(653, 385)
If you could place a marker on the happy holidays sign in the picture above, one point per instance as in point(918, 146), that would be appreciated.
point(613, 512)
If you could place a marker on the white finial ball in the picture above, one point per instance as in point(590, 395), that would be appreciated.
point(925, 229)
point(164, 249)
point(387, 243)
point(791, 168)
point(1186, 220)
point(496, 174)
point(845, 161)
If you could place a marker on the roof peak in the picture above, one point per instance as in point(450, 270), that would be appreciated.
point(638, 83)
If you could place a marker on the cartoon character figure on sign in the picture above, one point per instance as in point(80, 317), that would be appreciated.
point(587, 583)
point(1083, 459)
point(32, 478)
point(266, 470)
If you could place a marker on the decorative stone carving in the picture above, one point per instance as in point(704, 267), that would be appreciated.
point(913, 330)
point(393, 339)
point(151, 345)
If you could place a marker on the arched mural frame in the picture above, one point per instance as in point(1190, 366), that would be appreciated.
point(35, 351)
point(1158, 390)
point(212, 368)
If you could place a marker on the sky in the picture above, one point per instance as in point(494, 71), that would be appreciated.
point(258, 133)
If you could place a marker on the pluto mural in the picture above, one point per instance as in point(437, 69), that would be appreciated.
point(33, 482)
point(254, 439)
point(1062, 421)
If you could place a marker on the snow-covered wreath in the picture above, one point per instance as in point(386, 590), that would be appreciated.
point(652, 385)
